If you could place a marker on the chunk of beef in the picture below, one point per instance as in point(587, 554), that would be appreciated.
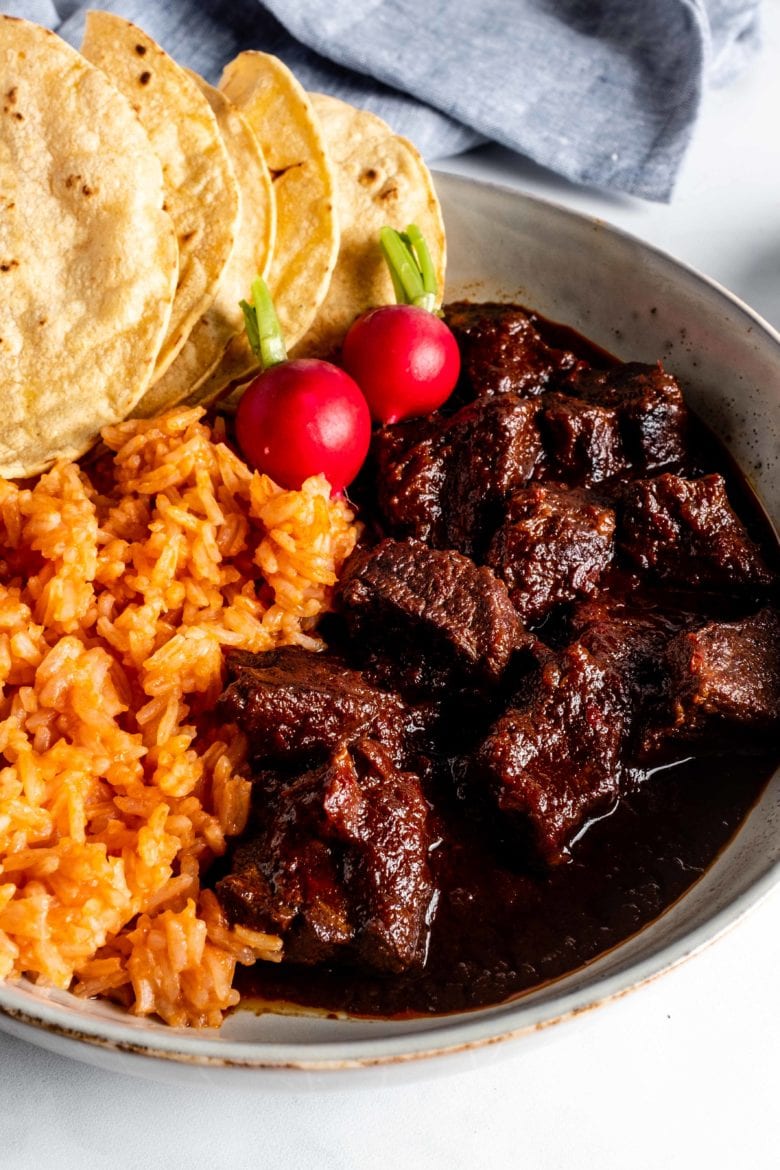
point(426, 619)
point(501, 350)
point(555, 759)
point(582, 440)
point(339, 863)
point(630, 641)
point(494, 445)
point(293, 703)
point(444, 481)
point(685, 531)
point(649, 405)
point(729, 671)
point(724, 679)
point(553, 546)
point(411, 460)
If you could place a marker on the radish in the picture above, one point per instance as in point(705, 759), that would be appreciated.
point(403, 357)
point(298, 418)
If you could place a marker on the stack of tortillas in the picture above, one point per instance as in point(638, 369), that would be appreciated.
point(138, 204)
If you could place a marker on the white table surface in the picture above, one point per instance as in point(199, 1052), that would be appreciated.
point(684, 1074)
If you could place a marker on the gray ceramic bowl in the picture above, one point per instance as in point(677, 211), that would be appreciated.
point(641, 305)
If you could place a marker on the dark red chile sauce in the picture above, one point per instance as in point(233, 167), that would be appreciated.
point(498, 930)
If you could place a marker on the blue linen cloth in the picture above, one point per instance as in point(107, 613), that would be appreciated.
point(605, 92)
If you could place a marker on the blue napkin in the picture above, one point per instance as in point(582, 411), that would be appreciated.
point(605, 92)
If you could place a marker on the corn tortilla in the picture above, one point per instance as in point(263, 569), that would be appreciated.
point(88, 257)
point(251, 255)
point(201, 193)
point(307, 234)
point(382, 180)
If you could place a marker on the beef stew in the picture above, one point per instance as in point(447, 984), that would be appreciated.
point(551, 694)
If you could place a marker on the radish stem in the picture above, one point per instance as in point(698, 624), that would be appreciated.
point(410, 267)
point(263, 331)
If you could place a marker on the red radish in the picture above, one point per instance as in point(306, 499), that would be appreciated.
point(302, 418)
point(298, 418)
point(405, 360)
point(403, 357)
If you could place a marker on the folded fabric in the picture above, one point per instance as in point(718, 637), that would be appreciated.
point(605, 92)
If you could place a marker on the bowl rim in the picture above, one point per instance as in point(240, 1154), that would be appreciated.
point(458, 1032)
point(454, 179)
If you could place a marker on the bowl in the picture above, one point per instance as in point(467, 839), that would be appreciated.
point(641, 305)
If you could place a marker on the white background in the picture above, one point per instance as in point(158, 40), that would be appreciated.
point(682, 1074)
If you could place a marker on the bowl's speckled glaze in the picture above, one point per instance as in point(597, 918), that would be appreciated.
point(641, 305)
